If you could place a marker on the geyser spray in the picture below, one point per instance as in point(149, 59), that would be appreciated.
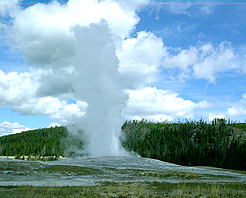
point(98, 83)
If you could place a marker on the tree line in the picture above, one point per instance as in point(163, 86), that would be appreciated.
point(220, 143)
point(40, 142)
point(45, 142)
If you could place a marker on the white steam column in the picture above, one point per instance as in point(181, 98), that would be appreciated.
point(99, 84)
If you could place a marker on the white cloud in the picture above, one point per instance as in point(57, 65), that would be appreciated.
point(184, 8)
point(132, 4)
point(214, 60)
point(68, 113)
point(140, 59)
point(53, 124)
point(46, 37)
point(238, 109)
point(11, 128)
point(59, 111)
point(202, 61)
point(183, 61)
point(19, 90)
point(6, 7)
point(212, 116)
point(154, 103)
point(16, 88)
point(179, 8)
point(55, 82)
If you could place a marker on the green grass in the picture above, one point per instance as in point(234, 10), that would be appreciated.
point(132, 189)
point(16, 166)
point(69, 170)
point(162, 174)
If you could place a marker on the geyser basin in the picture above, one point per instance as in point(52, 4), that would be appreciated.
point(93, 171)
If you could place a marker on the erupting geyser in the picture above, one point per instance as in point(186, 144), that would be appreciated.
point(98, 83)
point(74, 45)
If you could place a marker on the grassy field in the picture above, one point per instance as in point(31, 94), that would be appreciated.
point(131, 189)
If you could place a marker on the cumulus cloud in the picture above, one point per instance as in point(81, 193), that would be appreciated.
point(212, 116)
point(203, 61)
point(140, 59)
point(239, 109)
point(153, 103)
point(236, 111)
point(57, 110)
point(22, 92)
point(8, 7)
point(55, 82)
point(47, 38)
point(183, 61)
point(16, 88)
point(214, 60)
point(11, 128)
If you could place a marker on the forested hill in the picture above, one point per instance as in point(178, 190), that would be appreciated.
point(40, 142)
point(218, 144)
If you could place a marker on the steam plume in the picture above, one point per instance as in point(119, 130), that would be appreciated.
point(99, 84)
point(81, 36)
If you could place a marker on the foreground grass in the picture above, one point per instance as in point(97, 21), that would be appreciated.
point(132, 189)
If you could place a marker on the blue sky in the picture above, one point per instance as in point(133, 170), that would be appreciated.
point(187, 60)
